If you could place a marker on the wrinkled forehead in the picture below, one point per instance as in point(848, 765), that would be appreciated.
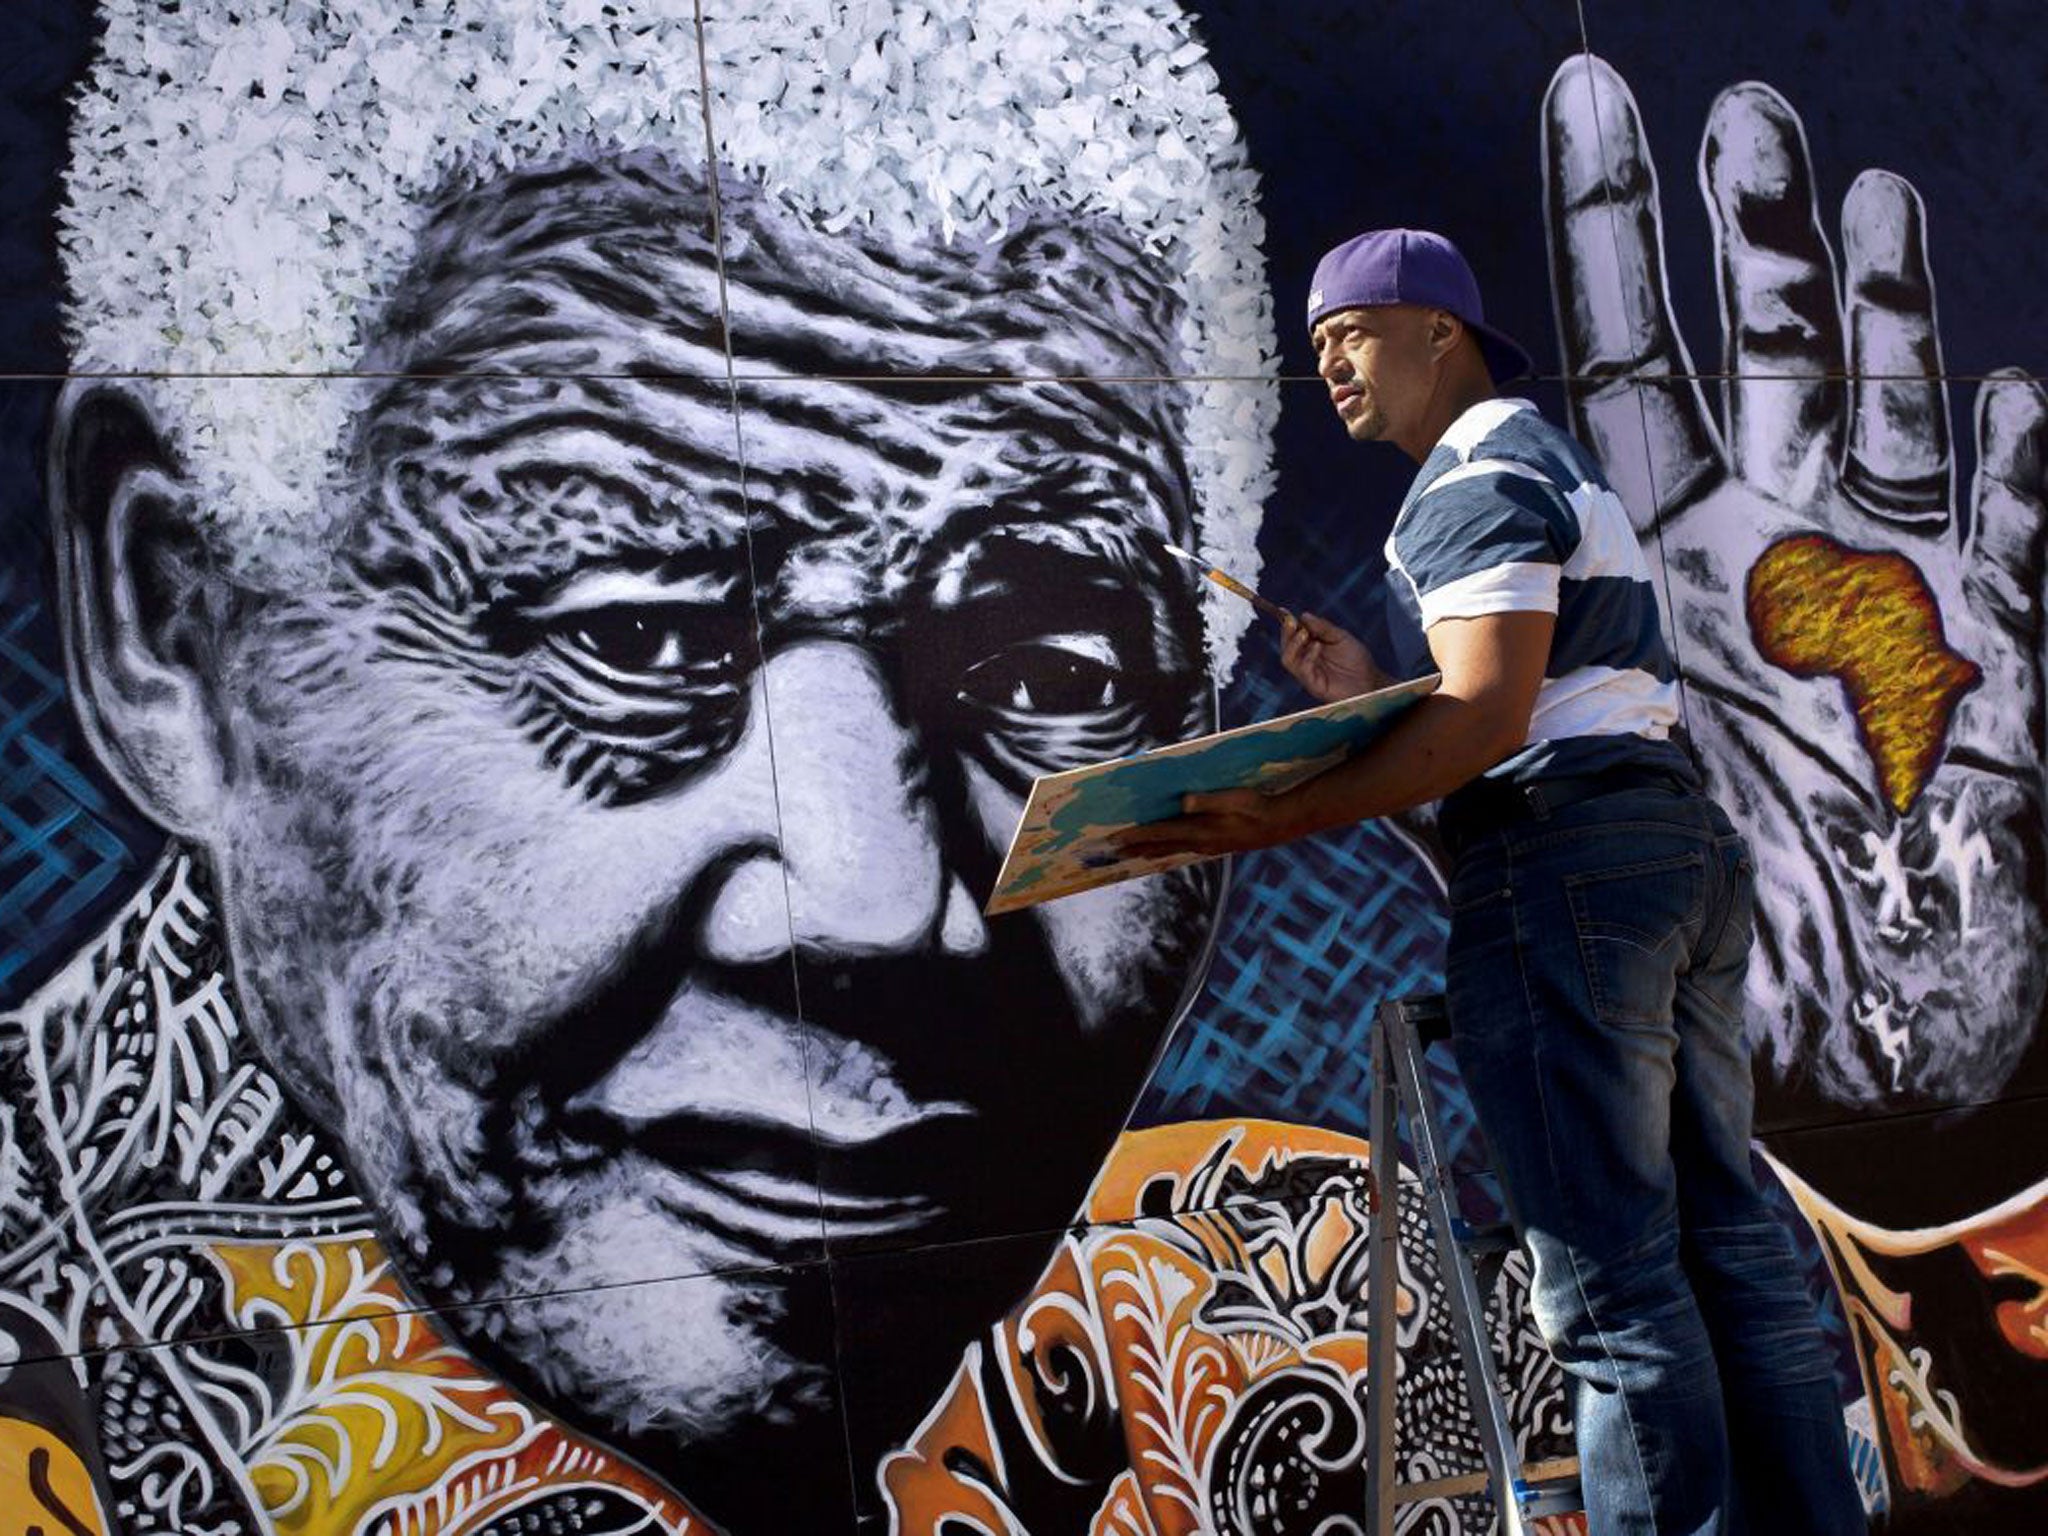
point(651, 255)
point(567, 396)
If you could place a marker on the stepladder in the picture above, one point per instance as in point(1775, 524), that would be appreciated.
point(1531, 1498)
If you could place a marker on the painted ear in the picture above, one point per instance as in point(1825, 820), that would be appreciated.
point(138, 604)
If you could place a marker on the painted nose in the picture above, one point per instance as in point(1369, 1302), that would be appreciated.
point(860, 855)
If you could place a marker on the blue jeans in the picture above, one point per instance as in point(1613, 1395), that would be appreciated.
point(1594, 982)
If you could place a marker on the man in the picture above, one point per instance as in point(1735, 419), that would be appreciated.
point(1601, 910)
point(503, 959)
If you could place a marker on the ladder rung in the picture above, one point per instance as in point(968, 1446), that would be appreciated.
point(1562, 1497)
point(1555, 1484)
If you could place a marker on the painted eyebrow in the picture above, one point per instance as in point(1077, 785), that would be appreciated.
point(624, 587)
point(1076, 530)
point(468, 516)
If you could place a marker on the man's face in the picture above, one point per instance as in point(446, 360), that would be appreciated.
point(513, 874)
point(1378, 367)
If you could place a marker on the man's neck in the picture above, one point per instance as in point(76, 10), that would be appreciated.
point(1459, 394)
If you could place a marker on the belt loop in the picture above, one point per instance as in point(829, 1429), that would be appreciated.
point(1532, 794)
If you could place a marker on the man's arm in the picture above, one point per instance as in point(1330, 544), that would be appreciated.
point(1492, 667)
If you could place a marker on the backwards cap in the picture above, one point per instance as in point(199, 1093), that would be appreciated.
point(1411, 266)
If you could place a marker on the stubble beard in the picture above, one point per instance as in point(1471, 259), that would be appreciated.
point(1368, 425)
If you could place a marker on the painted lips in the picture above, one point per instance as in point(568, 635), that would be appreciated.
point(773, 1134)
point(763, 1138)
point(776, 1189)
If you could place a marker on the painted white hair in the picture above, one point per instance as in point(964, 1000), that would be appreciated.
point(248, 181)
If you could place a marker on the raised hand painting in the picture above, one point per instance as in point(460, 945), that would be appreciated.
point(580, 522)
point(1836, 604)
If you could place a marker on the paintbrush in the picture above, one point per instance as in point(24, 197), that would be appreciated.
point(1231, 584)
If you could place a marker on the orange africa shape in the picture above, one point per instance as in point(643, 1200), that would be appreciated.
point(1865, 617)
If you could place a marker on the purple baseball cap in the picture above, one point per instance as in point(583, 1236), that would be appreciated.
point(1411, 266)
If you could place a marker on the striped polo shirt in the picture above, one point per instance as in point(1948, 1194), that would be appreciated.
point(1507, 514)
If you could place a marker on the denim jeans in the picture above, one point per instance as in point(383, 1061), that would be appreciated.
point(1595, 982)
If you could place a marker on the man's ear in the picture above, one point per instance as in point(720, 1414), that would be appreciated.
point(1445, 330)
point(137, 602)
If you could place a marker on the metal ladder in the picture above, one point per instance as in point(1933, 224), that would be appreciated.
point(1403, 1032)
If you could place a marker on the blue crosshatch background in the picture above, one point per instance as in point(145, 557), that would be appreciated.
point(64, 841)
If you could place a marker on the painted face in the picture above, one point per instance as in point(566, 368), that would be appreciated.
point(612, 831)
point(1377, 366)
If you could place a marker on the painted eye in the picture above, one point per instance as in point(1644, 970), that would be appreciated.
point(629, 639)
point(1058, 675)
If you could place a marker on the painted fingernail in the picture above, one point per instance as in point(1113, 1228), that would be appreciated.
point(1881, 234)
point(1575, 112)
point(1755, 165)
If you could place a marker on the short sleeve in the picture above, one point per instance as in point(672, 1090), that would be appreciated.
point(1491, 536)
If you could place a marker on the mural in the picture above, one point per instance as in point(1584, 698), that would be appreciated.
point(548, 540)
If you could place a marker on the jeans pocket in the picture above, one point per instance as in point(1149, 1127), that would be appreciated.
point(1477, 895)
point(1480, 880)
point(1637, 925)
point(1738, 921)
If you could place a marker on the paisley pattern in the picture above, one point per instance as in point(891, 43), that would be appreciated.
point(157, 1185)
point(1922, 1305)
point(1201, 1368)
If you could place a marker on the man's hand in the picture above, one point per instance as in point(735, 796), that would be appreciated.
point(1228, 821)
point(1861, 653)
point(1329, 662)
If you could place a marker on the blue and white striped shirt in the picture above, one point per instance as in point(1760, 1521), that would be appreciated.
point(1510, 514)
